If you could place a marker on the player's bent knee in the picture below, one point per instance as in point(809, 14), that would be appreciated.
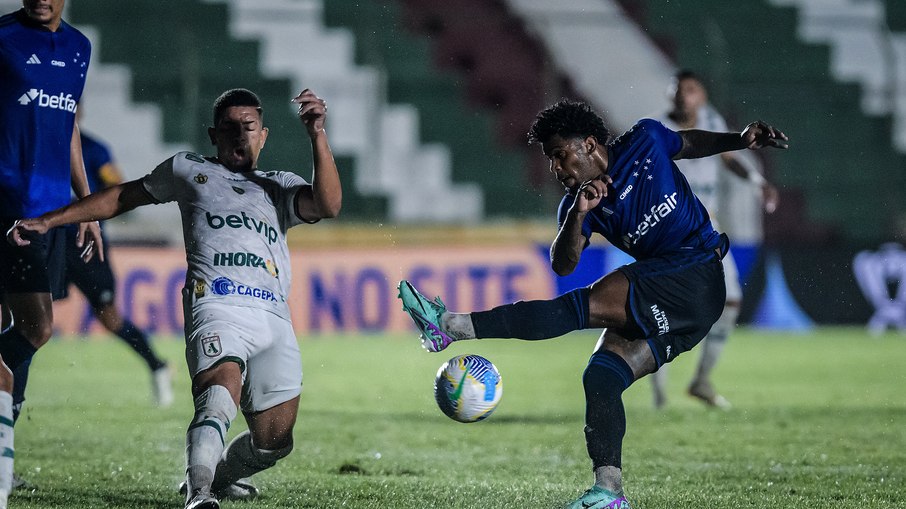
point(266, 458)
point(38, 334)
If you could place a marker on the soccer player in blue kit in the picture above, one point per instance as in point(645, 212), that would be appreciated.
point(43, 62)
point(95, 278)
point(631, 192)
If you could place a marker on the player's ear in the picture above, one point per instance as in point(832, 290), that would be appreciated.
point(264, 132)
point(590, 143)
point(212, 133)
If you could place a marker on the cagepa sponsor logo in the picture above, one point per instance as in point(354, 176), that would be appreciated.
point(43, 100)
point(658, 212)
point(663, 325)
point(226, 286)
point(245, 260)
point(243, 221)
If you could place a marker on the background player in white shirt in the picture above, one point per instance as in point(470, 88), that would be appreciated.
point(240, 345)
point(691, 110)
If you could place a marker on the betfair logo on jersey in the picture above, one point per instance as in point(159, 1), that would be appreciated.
point(658, 212)
point(226, 286)
point(245, 260)
point(243, 221)
point(55, 102)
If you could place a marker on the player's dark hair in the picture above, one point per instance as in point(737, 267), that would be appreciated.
point(568, 119)
point(688, 74)
point(236, 97)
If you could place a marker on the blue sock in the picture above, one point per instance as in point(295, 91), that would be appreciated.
point(536, 319)
point(20, 380)
point(15, 348)
point(17, 352)
point(138, 340)
point(605, 379)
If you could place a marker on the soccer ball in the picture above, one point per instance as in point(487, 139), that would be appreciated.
point(468, 388)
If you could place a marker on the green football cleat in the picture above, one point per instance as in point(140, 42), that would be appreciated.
point(426, 315)
point(599, 498)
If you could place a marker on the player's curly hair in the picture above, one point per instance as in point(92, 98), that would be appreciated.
point(568, 119)
point(236, 97)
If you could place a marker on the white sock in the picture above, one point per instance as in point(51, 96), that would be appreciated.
point(659, 386)
point(242, 459)
point(214, 410)
point(6, 446)
point(713, 344)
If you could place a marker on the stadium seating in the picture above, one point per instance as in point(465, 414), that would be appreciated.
point(447, 115)
point(467, 159)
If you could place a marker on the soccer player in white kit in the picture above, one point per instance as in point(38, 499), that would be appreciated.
point(692, 111)
point(240, 346)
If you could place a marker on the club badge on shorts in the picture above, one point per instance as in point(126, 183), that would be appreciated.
point(210, 345)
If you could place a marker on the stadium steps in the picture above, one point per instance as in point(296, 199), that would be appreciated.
point(445, 116)
point(133, 133)
point(182, 63)
point(611, 61)
point(842, 158)
point(391, 160)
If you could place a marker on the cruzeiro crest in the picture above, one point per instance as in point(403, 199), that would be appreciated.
point(210, 345)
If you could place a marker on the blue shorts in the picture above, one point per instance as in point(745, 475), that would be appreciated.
point(674, 300)
point(94, 278)
point(36, 268)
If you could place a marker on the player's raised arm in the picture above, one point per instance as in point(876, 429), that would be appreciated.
point(566, 250)
point(698, 143)
point(105, 204)
point(324, 197)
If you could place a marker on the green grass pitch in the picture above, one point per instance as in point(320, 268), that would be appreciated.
point(819, 421)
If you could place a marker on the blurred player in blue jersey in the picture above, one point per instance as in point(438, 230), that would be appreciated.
point(43, 63)
point(631, 192)
point(95, 278)
point(691, 111)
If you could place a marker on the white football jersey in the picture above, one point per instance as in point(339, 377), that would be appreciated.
point(234, 225)
point(703, 174)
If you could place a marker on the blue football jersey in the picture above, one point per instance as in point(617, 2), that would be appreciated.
point(43, 75)
point(649, 210)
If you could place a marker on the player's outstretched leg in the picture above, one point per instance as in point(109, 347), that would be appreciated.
point(427, 316)
point(529, 320)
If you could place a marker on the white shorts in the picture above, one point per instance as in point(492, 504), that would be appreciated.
point(731, 277)
point(262, 343)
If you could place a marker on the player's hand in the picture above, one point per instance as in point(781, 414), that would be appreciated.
point(23, 230)
point(312, 111)
point(90, 240)
point(770, 197)
point(591, 192)
point(759, 134)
